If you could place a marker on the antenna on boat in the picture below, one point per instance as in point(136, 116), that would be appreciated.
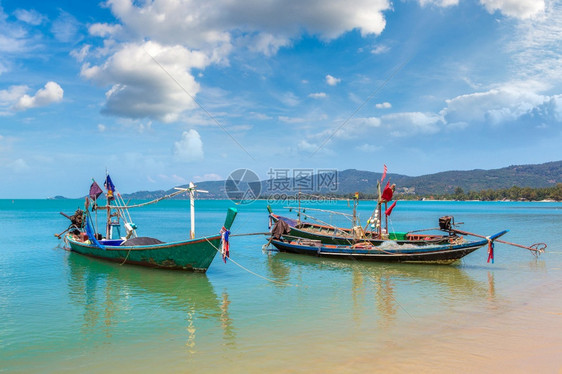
point(191, 190)
point(299, 215)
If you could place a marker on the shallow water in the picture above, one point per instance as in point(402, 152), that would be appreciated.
point(277, 313)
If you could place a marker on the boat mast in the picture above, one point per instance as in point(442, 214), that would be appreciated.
point(299, 215)
point(385, 217)
point(378, 215)
point(354, 218)
point(108, 223)
point(192, 210)
point(191, 190)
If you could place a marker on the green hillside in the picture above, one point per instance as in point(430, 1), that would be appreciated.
point(351, 180)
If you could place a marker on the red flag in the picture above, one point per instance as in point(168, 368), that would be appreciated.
point(389, 210)
point(384, 173)
point(388, 192)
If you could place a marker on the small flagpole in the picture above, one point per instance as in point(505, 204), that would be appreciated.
point(192, 206)
point(385, 216)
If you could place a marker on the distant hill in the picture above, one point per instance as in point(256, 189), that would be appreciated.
point(351, 180)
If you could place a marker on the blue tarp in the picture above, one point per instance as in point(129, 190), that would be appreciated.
point(91, 234)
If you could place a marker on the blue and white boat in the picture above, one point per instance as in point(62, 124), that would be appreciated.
point(390, 251)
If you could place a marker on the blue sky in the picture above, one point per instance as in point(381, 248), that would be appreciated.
point(165, 92)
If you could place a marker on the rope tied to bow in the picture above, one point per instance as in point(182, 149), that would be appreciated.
point(490, 249)
point(225, 245)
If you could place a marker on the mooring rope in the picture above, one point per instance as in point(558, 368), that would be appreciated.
point(125, 260)
point(143, 204)
point(252, 272)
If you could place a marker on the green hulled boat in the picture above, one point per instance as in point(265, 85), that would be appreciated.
point(194, 254)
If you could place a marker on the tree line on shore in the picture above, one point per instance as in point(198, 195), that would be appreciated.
point(514, 193)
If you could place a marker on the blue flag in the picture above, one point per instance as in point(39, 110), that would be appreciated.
point(109, 186)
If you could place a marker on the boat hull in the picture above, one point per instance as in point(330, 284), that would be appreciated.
point(443, 254)
point(191, 255)
point(340, 236)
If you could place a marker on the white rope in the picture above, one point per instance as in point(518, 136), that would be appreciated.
point(143, 204)
point(251, 272)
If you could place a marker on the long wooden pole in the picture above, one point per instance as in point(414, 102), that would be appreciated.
point(192, 211)
point(540, 246)
point(385, 216)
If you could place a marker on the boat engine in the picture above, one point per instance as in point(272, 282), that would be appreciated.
point(446, 222)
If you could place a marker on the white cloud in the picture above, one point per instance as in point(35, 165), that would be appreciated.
point(291, 119)
point(103, 29)
point(199, 30)
point(51, 93)
point(260, 116)
point(80, 54)
point(332, 81)
point(380, 49)
point(198, 23)
point(495, 106)
point(31, 17)
point(318, 95)
point(101, 127)
point(189, 148)
point(368, 148)
point(441, 3)
point(522, 9)
point(267, 43)
point(65, 28)
point(13, 38)
point(385, 105)
point(289, 99)
point(412, 123)
point(208, 177)
point(148, 80)
point(535, 47)
point(354, 128)
point(305, 146)
point(11, 95)
point(395, 125)
point(18, 166)
point(556, 104)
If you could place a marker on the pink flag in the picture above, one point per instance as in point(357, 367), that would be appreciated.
point(383, 173)
point(389, 210)
point(95, 191)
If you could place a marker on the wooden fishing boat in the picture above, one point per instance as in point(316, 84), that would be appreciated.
point(373, 242)
point(372, 233)
point(192, 254)
point(346, 236)
point(195, 254)
point(389, 252)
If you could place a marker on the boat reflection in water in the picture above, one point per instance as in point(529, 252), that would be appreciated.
point(390, 288)
point(138, 301)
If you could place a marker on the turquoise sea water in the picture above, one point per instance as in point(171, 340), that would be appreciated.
point(281, 313)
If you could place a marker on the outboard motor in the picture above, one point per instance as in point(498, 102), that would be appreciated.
point(446, 222)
